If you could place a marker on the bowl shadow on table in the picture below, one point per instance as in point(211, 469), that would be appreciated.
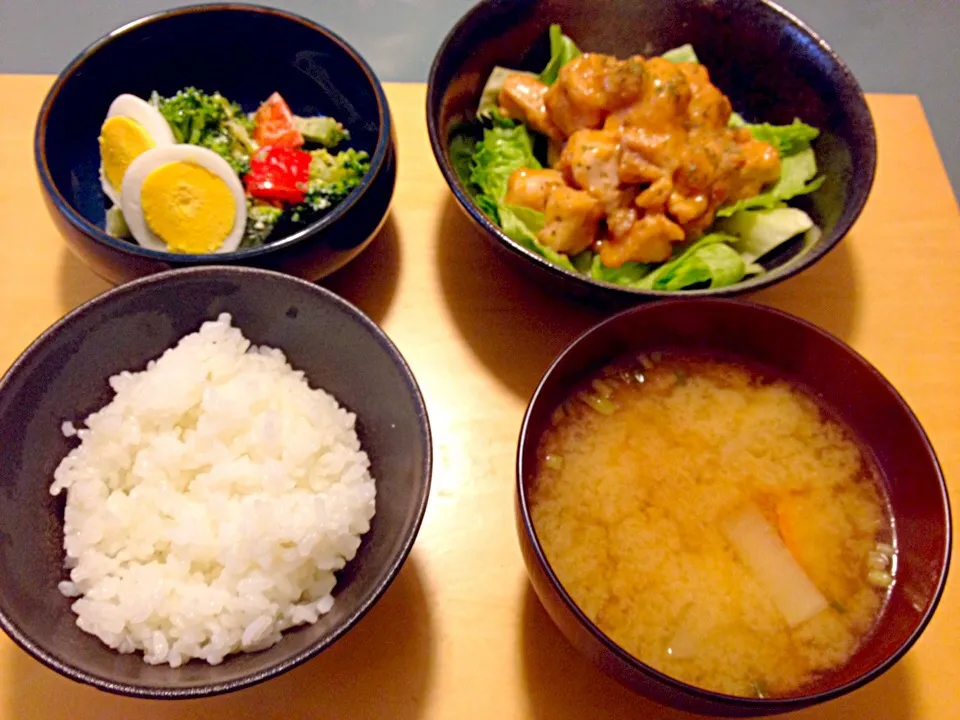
point(369, 281)
point(76, 283)
point(826, 294)
point(481, 286)
point(512, 324)
point(380, 669)
point(562, 685)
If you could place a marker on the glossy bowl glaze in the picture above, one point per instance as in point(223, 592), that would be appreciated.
point(848, 385)
point(770, 64)
point(63, 375)
point(245, 52)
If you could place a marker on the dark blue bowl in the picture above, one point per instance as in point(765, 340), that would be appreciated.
point(772, 66)
point(245, 52)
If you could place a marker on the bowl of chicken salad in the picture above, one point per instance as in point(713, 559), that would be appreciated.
point(640, 150)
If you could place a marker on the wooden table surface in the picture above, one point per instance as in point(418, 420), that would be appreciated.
point(460, 634)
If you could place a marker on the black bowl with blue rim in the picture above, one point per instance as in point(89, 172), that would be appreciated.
point(246, 53)
point(771, 66)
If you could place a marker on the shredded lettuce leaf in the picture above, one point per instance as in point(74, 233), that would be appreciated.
point(787, 139)
point(582, 262)
point(462, 148)
point(797, 174)
point(682, 54)
point(760, 231)
point(709, 259)
point(629, 273)
point(485, 167)
point(506, 146)
point(562, 51)
point(521, 224)
point(717, 264)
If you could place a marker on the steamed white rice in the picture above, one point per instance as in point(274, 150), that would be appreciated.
point(210, 502)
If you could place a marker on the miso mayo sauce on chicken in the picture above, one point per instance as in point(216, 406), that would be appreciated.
point(645, 156)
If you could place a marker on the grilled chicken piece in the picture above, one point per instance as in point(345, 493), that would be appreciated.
point(530, 188)
point(654, 198)
point(522, 98)
point(590, 161)
point(634, 169)
point(761, 165)
point(662, 104)
point(708, 107)
point(650, 239)
point(572, 218)
point(646, 146)
point(685, 209)
point(590, 87)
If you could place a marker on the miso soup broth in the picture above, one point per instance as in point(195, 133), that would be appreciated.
point(715, 522)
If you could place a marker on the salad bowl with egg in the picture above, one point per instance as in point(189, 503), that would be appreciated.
point(154, 154)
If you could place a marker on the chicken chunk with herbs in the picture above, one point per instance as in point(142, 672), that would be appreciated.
point(529, 188)
point(647, 158)
point(572, 218)
point(522, 98)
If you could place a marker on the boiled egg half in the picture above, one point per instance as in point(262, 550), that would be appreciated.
point(132, 127)
point(184, 199)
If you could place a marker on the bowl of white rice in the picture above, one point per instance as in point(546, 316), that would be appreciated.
point(209, 476)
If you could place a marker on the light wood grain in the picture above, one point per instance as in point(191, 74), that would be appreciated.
point(460, 634)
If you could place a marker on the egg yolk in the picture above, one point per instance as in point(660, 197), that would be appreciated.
point(122, 140)
point(190, 208)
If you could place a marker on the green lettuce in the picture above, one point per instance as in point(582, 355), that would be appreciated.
point(787, 139)
point(521, 224)
point(682, 54)
point(506, 146)
point(760, 231)
point(582, 262)
point(711, 259)
point(630, 273)
point(562, 51)
point(797, 177)
point(485, 167)
point(462, 148)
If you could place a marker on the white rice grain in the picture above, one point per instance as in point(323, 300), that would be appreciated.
point(210, 503)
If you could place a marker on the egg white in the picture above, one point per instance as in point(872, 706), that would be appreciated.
point(145, 114)
point(130, 201)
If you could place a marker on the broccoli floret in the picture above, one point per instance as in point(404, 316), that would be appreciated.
point(261, 219)
point(324, 131)
point(332, 178)
point(210, 121)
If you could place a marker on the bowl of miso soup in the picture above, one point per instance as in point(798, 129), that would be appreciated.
point(729, 510)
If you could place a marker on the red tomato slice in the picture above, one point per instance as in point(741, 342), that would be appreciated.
point(273, 124)
point(278, 173)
